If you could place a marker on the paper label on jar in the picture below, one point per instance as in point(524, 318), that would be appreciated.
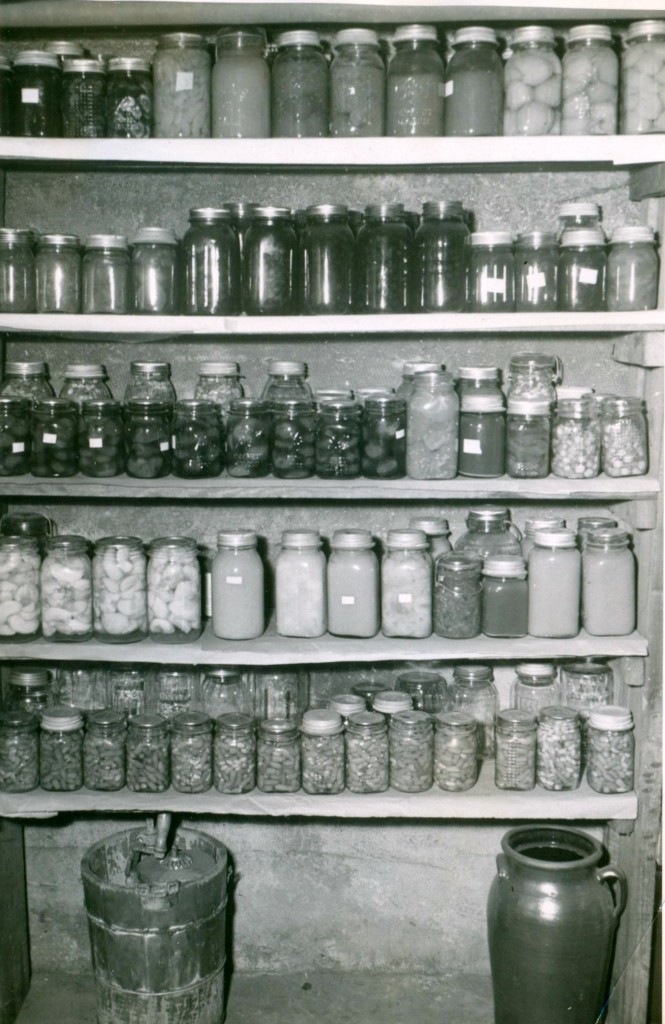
point(471, 446)
point(95, 442)
point(172, 441)
point(29, 95)
point(234, 581)
point(164, 446)
point(18, 446)
point(348, 599)
point(494, 285)
point(588, 275)
point(405, 598)
point(207, 594)
point(50, 438)
point(399, 434)
point(184, 81)
point(448, 88)
point(535, 279)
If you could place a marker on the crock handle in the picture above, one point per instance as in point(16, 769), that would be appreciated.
point(502, 866)
point(611, 873)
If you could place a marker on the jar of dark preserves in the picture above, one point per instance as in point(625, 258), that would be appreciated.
point(474, 84)
point(147, 438)
point(58, 274)
point(37, 82)
point(338, 440)
point(482, 436)
point(14, 436)
point(83, 99)
point(536, 259)
point(491, 273)
point(384, 438)
point(269, 263)
point(128, 99)
point(17, 271)
point(54, 438)
point(248, 438)
point(327, 250)
point(528, 434)
point(439, 258)
point(198, 439)
point(106, 275)
point(211, 263)
point(383, 254)
point(299, 86)
point(154, 265)
point(101, 445)
point(294, 438)
point(582, 271)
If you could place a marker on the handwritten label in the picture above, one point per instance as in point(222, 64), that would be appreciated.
point(164, 446)
point(348, 599)
point(184, 81)
point(50, 438)
point(95, 442)
point(471, 446)
point(29, 95)
point(18, 446)
point(404, 598)
point(588, 275)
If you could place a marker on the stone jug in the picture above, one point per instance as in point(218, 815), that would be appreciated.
point(552, 919)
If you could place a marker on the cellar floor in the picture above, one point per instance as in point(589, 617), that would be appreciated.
point(337, 997)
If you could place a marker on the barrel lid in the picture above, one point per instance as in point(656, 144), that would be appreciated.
point(180, 865)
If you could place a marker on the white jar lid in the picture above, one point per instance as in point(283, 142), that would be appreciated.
point(579, 210)
point(359, 36)
point(600, 32)
point(481, 403)
point(527, 407)
point(505, 565)
point(106, 242)
point(62, 719)
point(609, 717)
point(478, 373)
point(301, 538)
point(322, 722)
point(285, 366)
point(406, 32)
point(142, 366)
point(546, 523)
point(37, 57)
point(88, 370)
point(352, 539)
point(541, 669)
point(632, 233)
point(347, 703)
point(219, 369)
point(563, 394)
point(298, 37)
point(533, 34)
point(582, 236)
point(474, 34)
point(83, 65)
point(420, 366)
point(412, 539)
point(637, 29)
point(554, 538)
point(432, 526)
point(391, 701)
point(129, 64)
point(160, 236)
point(491, 238)
point(236, 538)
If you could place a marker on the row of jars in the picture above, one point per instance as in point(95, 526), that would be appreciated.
point(270, 261)
point(471, 92)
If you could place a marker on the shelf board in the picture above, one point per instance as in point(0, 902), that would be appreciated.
point(502, 152)
point(271, 649)
point(130, 327)
point(226, 488)
point(482, 802)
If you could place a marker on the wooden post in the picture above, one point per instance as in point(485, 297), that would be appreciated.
point(14, 946)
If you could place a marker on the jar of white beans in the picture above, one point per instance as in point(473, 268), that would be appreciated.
point(611, 749)
point(558, 756)
point(411, 745)
point(515, 764)
point(234, 753)
point(456, 754)
point(191, 752)
point(366, 752)
point(322, 750)
point(278, 756)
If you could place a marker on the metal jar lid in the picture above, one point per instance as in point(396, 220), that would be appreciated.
point(219, 369)
point(475, 34)
point(632, 233)
point(356, 37)
point(40, 58)
point(327, 210)
point(106, 242)
point(284, 367)
point(48, 240)
point(298, 37)
point(352, 540)
point(83, 66)
point(406, 33)
point(86, 370)
point(322, 722)
point(640, 29)
point(533, 34)
point(414, 540)
point(156, 236)
point(480, 238)
point(26, 369)
point(236, 539)
point(128, 64)
point(562, 538)
point(602, 33)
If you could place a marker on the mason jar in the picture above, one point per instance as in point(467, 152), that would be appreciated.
point(528, 436)
point(474, 84)
point(456, 757)
point(472, 691)
point(104, 750)
point(237, 585)
point(234, 753)
point(148, 756)
point(383, 428)
point(181, 86)
point(427, 690)
point(20, 611)
point(15, 439)
point(293, 438)
point(191, 752)
point(322, 751)
point(535, 686)
point(609, 605)
point(383, 260)
point(37, 82)
point(406, 585)
point(590, 82)
point(366, 755)
point(482, 436)
point(558, 753)
point(457, 596)
point(532, 376)
point(585, 684)
point(578, 216)
point(128, 99)
point(58, 274)
point(19, 751)
point(491, 272)
point(270, 250)
point(83, 99)
point(6, 97)
point(30, 687)
point(515, 763)
point(432, 427)
point(101, 448)
point(54, 447)
point(489, 532)
point(582, 272)
point(150, 381)
point(219, 383)
point(505, 596)
point(338, 440)
point(241, 85)
point(225, 691)
point(300, 585)
point(611, 750)
point(554, 584)
point(585, 524)
point(174, 689)
point(210, 257)
point(61, 750)
point(32, 525)
point(106, 275)
point(437, 531)
point(414, 98)
point(536, 270)
point(576, 439)
point(126, 688)
point(632, 268)
point(154, 267)
point(17, 271)
point(642, 92)
point(357, 85)
point(197, 441)
point(440, 251)
point(280, 693)
point(352, 583)
point(411, 751)
point(278, 756)
point(248, 437)
point(241, 219)
point(80, 685)
point(300, 102)
point(66, 589)
point(409, 371)
point(286, 379)
point(119, 590)
point(327, 255)
point(532, 76)
point(147, 438)
point(623, 437)
point(26, 380)
point(85, 381)
point(174, 590)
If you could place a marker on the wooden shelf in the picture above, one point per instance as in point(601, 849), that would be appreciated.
point(271, 649)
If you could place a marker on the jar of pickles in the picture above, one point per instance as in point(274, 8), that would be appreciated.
point(300, 104)
point(219, 383)
point(582, 272)
point(472, 691)
point(210, 256)
point(576, 439)
point(367, 765)
point(352, 583)
point(26, 380)
point(278, 756)
point(406, 585)
point(154, 268)
point(611, 750)
point(558, 756)
point(357, 85)
point(474, 84)
point(36, 92)
point(101, 447)
point(327, 254)
point(322, 751)
point(197, 441)
point(19, 578)
point(66, 589)
point(383, 260)
point(293, 438)
point(119, 590)
point(174, 590)
point(234, 753)
point(528, 433)
point(515, 763)
point(432, 427)
point(104, 750)
point(248, 436)
point(150, 381)
point(535, 687)
point(623, 437)
point(269, 258)
point(300, 585)
point(337, 440)
point(61, 750)
point(181, 84)
point(147, 438)
point(439, 257)
point(17, 271)
point(83, 99)
point(19, 751)
point(148, 756)
point(536, 270)
point(383, 438)
point(106, 275)
point(15, 438)
point(411, 748)
point(632, 266)
point(590, 82)
point(457, 596)
point(241, 85)
point(58, 274)
point(85, 381)
point(642, 96)
point(491, 272)
point(128, 99)
point(191, 752)
point(238, 596)
point(456, 756)
point(414, 98)
point(532, 77)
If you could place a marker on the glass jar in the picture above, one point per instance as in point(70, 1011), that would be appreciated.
point(532, 376)
point(578, 216)
point(432, 428)
point(83, 99)
point(219, 383)
point(437, 531)
point(482, 436)
point(174, 590)
point(85, 381)
point(440, 251)
point(300, 103)
point(294, 425)
point(36, 86)
point(270, 249)
point(150, 381)
point(608, 584)
point(623, 437)
point(54, 446)
point(241, 219)
point(357, 85)
point(210, 256)
point(409, 371)
point(147, 438)
point(554, 584)
point(383, 259)
point(642, 94)
point(611, 750)
point(153, 271)
point(406, 585)
point(26, 380)
point(66, 589)
point(248, 436)
point(237, 587)
point(411, 751)
point(225, 691)
point(241, 85)
point(128, 99)
point(427, 690)
point(558, 751)
point(61, 750)
point(505, 596)
point(6, 98)
point(472, 691)
point(181, 85)
point(191, 752)
point(528, 436)
point(234, 753)
point(489, 532)
point(327, 254)
point(590, 82)
point(174, 689)
point(391, 702)
point(576, 439)
point(300, 585)
point(81, 686)
point(535, 687)
point(366, 755)
point(19, 751)
point(367, 689)
point(322, 751)
point(17, 271)
point(585, 524)
point(414, 98)
point(515, 764)
point(632, 268)
point(286, 379)
point(148, 756)
point(104, 750)
point(457, 596)
point(198, 439)
point(585, 684)
point(532, 76)
point(19, 579)
point(491, 272)
point(14, 436)
point(64, 48)
point(353, 585)
point(106, 275)
point(101, 448)
point(119, 590)
point(278, 756)
point(474, 84)
point(383, 438)
point(27, 524)
point(582, 272)
point(29, 688)
point(536, 269)
point(456, 757)
point(126, 689)
point(280, 693)
point(58, 274)
point(338, 435)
